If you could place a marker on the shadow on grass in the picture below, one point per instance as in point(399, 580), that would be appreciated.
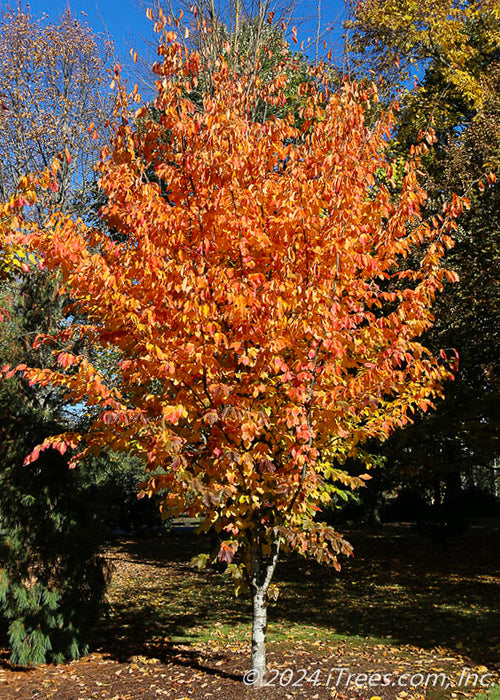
point(399, 586)
point(159, 609)
point(406, 588)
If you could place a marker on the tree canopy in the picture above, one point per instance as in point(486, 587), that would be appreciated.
point(260, 300)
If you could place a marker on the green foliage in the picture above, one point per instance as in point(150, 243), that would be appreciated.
point(52, 577)
point(392, 40)
point(455, 48)
point(116, 479)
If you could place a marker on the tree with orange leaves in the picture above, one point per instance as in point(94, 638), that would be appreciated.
point(259, 302)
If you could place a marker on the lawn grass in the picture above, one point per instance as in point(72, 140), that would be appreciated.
point(399, 588)
point(405, 605)
point(404, 602)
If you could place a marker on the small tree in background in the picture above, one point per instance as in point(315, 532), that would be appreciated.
point(260, 303)
point(52, 577)
point(52, 580)
point(53, 84)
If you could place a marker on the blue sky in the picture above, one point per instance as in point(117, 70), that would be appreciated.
point(126, 22)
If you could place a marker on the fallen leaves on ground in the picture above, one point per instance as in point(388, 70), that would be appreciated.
point(173, 632)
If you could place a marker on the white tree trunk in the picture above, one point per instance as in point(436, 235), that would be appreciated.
point(259, 625)
point(261, 575)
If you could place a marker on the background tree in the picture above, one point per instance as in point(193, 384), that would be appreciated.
point(394, 41)
point(455, 49)
point(52, 78)
point(265, 327)
point(243, 23)
point(53, 86)
point(52, 578)
point(251, 36)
